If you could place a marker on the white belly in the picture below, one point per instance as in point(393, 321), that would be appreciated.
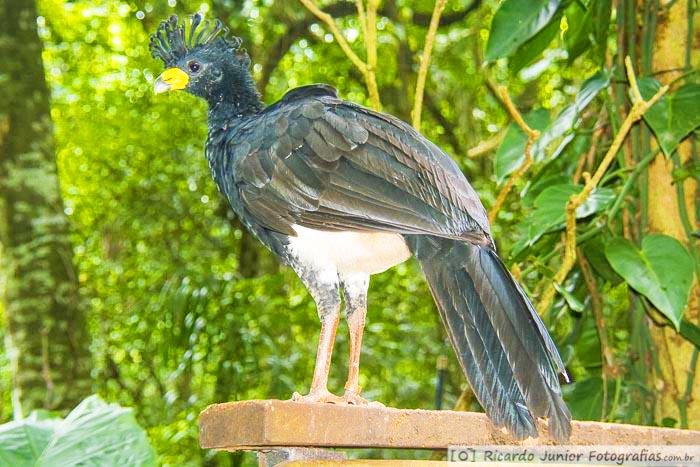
point(349, 252)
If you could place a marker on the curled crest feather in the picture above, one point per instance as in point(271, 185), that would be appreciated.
point(173, 40)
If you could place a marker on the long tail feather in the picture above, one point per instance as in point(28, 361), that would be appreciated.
point(501, 342)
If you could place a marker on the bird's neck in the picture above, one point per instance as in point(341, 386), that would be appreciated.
point(234, 104)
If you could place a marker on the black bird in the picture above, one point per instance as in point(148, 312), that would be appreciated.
point(340, 192)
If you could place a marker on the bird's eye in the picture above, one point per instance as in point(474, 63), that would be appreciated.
point(194, 67)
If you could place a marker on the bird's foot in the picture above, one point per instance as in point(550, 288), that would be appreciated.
point(354, 398)
point(322, 396)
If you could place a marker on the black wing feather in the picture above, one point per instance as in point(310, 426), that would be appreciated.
point(336, 165)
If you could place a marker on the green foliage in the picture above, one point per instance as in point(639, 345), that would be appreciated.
point(534, 46)
point(94, 433)
point(570, 117)
point(187, 310)
point(588, 28)
point(675, 115)
point(549, 211)
point(515, 22)
point(571, 146)
point(510, 153)
point(586, 398)
point(662, 271)
point(690, 332)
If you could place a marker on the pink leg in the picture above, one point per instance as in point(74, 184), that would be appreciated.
point(356, 325)
point(355, 288)
point(319, 391)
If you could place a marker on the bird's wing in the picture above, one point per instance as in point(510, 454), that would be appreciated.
point(316, 161)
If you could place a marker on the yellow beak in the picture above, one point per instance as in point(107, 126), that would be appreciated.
point(171, 79)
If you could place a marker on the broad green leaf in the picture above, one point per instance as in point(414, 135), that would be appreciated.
point(510, 153)
point(568, 119)
point(539, 184)
point(534, 47)
point(515, 22)
point(550, 211)
point(674, 116)
point(662, 271)
point(585, 397)
point(22, 441)
point(94, 433)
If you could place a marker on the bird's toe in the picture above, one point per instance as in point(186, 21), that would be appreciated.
point(354, 398)
point(322, 396)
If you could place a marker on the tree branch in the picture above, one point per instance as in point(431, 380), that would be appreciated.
point(300, 29)
point(371, 44)
point(368, 69)
point(330, 22)
point(589, 156)
point(423, 19)
point(639, 108)
point(362, 16)
point(294, 32)
point(425, 62)
point(532, 136)
point(486, 146)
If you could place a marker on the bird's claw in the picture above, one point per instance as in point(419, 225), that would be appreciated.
point(354, 398)
point(322, 396)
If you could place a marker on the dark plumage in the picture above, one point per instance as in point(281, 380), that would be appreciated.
point(340, 192)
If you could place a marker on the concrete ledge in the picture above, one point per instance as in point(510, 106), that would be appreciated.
point(263, 424)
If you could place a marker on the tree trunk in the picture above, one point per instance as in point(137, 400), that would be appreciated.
point(674, 352)
point(47, 335)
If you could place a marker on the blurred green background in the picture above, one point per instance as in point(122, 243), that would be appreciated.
point(126, 275)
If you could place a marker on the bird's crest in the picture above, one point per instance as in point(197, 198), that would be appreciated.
point(173, 40)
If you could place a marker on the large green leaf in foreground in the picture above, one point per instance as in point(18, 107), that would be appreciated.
point(662, 271)
point(93, 434)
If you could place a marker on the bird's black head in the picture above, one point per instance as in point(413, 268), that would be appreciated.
point(202, 60)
